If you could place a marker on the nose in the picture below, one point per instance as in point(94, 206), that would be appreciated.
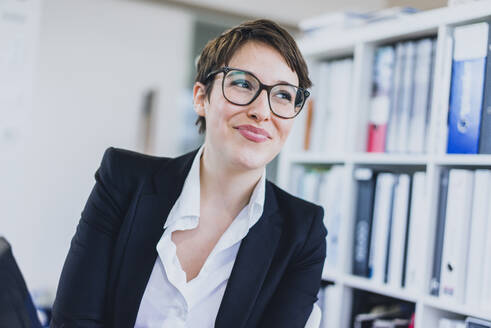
point(259, 108)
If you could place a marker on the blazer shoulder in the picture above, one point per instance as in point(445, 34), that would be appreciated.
point(298, 214)
point(125, 168)
point(303, 220)
point(295, 205)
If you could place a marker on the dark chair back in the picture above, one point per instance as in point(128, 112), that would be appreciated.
point(16, 307)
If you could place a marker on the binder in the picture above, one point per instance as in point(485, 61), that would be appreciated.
point(407, 99)
point(320, 113)
point(443, 96)
point(331, 198)
point(396, 98)
point(419, 114)
point(380, 230)
point(440, 230)
point(310, 184)
point(417, 234)
point(390, 227)
point(466, 95)
point(406, 232)
point(337, 106)
point(486, 280)
point(477, 240)
point(456, 237)
point(365, 180)
point(430, 97)
point(380, 100)
point(398, 231)
point(477, 323)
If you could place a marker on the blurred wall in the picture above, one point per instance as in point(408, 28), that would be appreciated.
point(96, 59)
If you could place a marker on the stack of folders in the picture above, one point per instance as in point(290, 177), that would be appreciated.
point(323, 186)
point(469, 117)
point(477, 323)
point(468, 323)
point(462, 250)
point(365, 321)
point(324, 125)
point(390, 228)
point(391, 316)
point(401, 97)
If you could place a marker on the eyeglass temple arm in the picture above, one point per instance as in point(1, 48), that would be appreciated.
point(224, 69)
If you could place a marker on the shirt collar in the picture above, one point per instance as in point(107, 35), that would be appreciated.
point(256, 203)
point(188, 203)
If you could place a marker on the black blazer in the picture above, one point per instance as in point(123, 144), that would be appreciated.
point(16, 307)
point(274, 281)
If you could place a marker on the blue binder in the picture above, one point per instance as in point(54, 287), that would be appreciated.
point(466, 96)
point(467, 88)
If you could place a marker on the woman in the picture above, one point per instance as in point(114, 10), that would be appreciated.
point(203, 240)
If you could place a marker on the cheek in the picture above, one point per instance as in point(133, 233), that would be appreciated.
point(283, 127)
point(220, 119)
point(215, 112)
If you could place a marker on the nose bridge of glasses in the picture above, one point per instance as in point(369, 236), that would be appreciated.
point(260, 103)
point(264, 94)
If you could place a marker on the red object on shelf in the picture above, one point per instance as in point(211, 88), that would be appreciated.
point(411, 325)
point(376, 138)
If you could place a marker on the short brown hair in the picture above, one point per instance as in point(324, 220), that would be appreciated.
point(219, 52)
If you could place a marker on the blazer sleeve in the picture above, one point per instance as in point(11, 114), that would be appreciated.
point(293, 300)
point(82, 288)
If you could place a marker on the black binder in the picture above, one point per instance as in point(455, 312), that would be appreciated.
point(363, 222)
point(440, 233)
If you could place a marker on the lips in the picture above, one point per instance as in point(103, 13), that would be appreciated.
point(253, 133)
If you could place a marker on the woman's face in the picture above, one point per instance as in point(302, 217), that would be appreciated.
point(230, 128)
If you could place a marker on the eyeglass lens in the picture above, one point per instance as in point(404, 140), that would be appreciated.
point(241, 87)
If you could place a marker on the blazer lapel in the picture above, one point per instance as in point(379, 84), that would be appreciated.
point(251, 266)
point(143, 233)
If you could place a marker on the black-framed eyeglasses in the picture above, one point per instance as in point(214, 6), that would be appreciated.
point(242, 87)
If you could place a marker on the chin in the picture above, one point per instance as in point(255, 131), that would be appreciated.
point(251, 160)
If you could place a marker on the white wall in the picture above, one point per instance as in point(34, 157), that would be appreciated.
point(96, 58)
point(285, 12)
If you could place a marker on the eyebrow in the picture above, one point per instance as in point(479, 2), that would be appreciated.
point(277, 81)
point(254, 74)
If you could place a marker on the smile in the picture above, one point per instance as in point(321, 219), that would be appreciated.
point(253, 134)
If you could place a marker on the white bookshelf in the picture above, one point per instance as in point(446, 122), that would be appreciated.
point(360, 44)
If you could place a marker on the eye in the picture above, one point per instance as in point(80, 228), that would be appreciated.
point(241, 84)
point(283, 95)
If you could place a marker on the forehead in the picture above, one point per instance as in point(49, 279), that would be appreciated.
point(265, 62)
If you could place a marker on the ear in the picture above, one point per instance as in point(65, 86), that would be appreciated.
point(199, 98)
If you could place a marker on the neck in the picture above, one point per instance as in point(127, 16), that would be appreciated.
point(224, 187)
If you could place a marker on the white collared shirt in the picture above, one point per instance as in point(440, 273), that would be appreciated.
point(171, 302)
